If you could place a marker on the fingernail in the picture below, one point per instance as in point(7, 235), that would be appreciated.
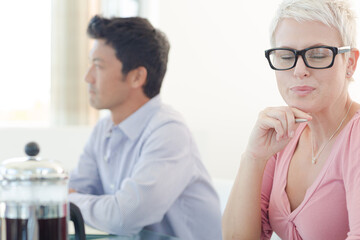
point(292, 133)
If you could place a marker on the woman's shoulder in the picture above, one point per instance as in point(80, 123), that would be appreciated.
point(356, 116)
point(349, 143)
point(353, 128)
point(348, 154)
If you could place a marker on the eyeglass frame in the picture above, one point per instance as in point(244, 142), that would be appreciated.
point(297, 53)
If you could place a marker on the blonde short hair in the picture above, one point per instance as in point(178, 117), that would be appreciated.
point(336, 13)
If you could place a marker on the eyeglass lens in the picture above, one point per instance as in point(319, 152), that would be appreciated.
point(315, 57)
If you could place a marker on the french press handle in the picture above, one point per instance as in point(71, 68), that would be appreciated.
point(77, 219)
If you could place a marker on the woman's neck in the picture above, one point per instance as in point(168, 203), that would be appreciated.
point(328, 122)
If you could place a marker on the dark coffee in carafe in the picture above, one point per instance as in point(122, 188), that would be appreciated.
point(52, 228)
point(33, 221)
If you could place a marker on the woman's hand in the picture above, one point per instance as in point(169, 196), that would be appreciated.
point(273, 130)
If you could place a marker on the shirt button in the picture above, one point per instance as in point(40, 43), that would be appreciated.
point(106, 158)
point(112, 186)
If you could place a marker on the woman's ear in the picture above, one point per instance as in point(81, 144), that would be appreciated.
point(352, 62)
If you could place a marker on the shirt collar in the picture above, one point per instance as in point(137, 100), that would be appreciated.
point(133, 125)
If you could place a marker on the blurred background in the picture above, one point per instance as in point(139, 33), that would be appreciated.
point(218, 77)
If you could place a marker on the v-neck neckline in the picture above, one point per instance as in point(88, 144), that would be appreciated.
point(311, 189)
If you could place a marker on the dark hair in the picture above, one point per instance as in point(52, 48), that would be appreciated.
point(136, 43)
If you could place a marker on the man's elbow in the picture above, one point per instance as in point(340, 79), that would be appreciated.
point(123, 228)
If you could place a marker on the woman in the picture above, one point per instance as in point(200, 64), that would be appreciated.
point(302, 180)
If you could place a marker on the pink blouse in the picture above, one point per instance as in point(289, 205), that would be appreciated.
point(331, 207)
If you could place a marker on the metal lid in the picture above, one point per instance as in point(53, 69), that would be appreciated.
point(31, 168)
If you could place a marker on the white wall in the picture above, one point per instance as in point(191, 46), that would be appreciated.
point(63, 144)
point(218, 76)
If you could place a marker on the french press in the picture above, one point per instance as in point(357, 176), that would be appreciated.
point(33, 199)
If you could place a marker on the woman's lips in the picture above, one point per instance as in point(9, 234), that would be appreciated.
point(302, 90)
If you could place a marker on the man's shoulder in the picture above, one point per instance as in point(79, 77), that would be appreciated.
point(165, 122)
point(166, 114)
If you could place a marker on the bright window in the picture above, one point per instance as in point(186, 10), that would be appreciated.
point(25, 62)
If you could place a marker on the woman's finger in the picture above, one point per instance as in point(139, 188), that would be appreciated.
point(269, 123)
point(300, 114)
point(281, 115)
point(290, 118)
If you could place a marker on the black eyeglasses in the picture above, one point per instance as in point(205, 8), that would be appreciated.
point(320, 57)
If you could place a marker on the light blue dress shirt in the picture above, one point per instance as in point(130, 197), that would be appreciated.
point(146, 172)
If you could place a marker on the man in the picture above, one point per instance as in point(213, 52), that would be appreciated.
point(140, 167)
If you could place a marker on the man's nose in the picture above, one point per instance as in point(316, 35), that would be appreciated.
point(89, 78)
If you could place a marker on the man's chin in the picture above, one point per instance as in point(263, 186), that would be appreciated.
point(95, 105)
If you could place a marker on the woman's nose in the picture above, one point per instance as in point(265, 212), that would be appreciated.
point(301, 70)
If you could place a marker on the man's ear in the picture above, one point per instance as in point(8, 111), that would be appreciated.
point(137, 77)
